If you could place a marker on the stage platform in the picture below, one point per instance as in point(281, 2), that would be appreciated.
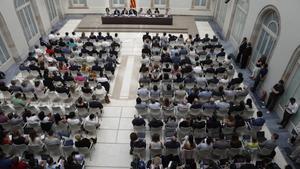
point(181, 24)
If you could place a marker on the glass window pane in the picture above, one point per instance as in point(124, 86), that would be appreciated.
point(163, 2)
point(3, 51)
point(24, 24)
point(273, 26)
point(82, 2)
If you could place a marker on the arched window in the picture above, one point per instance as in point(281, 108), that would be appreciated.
point(221, 12)
point(239, 21)
point(52, 11)
point(268, 32)
point(4, 55)
point(26, 17)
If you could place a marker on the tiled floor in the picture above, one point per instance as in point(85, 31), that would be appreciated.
point(112, 148)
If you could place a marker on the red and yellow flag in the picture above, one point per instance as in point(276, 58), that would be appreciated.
point(132, 3)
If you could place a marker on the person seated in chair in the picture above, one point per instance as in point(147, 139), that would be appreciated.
point(51, 139)
point(86, 88)
point(156, 12)
point(172, 143)
point(62, 88)
point(91, 120)
point(138, 121)
point(117, 12)
point(132, 12)
point(155, 123)
point(82, 142)
point(124, 12)
point(267, 147)
point(95, 103)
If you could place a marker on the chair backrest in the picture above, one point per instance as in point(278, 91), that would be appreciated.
point(188, 154)
point(173, 151)
point(35, 148)
point(155, 152)
point(140, 129)
point(90, 128)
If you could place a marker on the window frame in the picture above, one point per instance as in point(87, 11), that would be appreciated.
point(5, 49)
point(242, 14)
point(194, 6)
point(52, 10)
point(78, 5)
point(119, 5)
point(26, 16)
point(160, 6)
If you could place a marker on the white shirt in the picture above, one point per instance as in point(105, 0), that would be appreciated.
point(73, 121)
point(52, 37)
point(38, 51)
point(88, 121)
point(33, 119)
point(154, 106)
point(292, 108)
point(197, 69)
point(102, 79)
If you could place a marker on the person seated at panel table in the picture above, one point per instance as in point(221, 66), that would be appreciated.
point(156, 12)
point(149, 12)
point(117, 12)
point(124, 12)
point(167, 13)
point(132, 12)
point(107, 11)
point(141, 12)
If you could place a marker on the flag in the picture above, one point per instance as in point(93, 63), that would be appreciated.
point(132, 3)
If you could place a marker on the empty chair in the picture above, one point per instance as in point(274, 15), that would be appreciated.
point(85, 150)
point(155, 113)
point(67, 150)
point(91, 128)
point(234, 151)
point(195, 112)
point(220, 153)
point(82, 112)
point(183, 131)
point(35, 149)
point(53, 149)
point(142, 111)
point(19, 149)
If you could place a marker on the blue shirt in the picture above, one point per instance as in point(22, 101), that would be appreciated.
point(259, 121)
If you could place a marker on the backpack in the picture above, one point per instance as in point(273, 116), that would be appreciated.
point(138, 164)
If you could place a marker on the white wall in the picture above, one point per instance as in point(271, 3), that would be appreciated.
point(288, 39)
point(8, 11)
point(177, 7)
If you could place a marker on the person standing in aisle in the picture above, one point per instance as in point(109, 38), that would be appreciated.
point(242, 48)
point(246, 55)
point(274, 95)
point(289, 111)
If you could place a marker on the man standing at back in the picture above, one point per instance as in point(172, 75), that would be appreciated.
point(274, 95)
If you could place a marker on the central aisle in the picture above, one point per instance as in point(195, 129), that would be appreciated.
point(112, 148)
